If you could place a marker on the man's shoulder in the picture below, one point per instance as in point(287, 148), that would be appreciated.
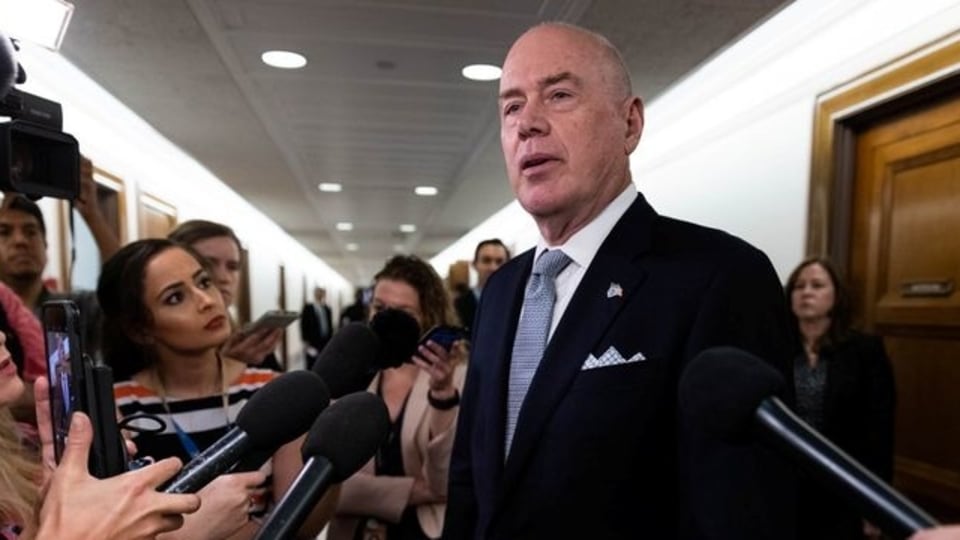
point(678, 238)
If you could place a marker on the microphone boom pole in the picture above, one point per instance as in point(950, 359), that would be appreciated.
point(876, 500)
point(304, 493)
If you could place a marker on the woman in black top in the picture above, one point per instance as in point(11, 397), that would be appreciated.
point(845, 390)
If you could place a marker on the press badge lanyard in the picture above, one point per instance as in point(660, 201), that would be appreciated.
point(186, 441)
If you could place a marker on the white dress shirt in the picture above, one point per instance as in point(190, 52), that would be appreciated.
point(582, 247)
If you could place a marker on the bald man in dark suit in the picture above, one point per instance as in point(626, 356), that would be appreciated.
point(568, 423)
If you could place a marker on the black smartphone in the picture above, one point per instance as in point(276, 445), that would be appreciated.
point(79, 384)
point(272, 319)
point(443, 335)
point(61, 326)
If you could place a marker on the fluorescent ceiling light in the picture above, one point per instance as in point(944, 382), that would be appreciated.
point(481, 72)
point(43, 22)
point(344, 226)
point(352, 247)
point(284, 59)
point(425, 191)
point(408, 228)
point(330, 187)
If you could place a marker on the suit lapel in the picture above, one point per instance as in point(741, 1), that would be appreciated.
point(590, 313)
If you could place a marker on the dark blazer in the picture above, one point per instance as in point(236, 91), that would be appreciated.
point(858, 416)
point(310, 326)
point(598, 453)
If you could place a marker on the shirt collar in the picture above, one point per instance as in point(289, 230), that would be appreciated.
point(582, 247)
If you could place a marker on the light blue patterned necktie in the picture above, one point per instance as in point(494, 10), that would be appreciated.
point(532, 331)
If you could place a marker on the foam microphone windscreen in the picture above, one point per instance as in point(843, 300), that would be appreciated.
point(399, 333)
point(348, 433)
point(283, 409)
point(8, 65)
point(721, 389)
point(349, 360)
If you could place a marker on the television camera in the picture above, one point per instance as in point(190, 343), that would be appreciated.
point(37, 158)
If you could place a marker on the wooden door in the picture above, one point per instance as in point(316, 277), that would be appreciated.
point(157, 217)
point(904, 269)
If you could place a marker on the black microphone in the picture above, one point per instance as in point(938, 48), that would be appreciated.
point(343, 438)
point(355, 354)
point(399, 334)
point(729, 393)
point(276, 414)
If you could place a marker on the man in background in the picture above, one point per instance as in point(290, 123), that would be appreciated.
point(316, 325)
point(487, 257)
point(23, 258)
point(355, 312)
point(23, 252)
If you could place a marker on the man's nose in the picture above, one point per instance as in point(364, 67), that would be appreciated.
point(531, 121)
point(18, 237)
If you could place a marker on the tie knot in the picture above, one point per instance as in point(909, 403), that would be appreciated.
point(551, 263)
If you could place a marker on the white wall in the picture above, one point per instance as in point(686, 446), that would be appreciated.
point(124, 145)
point(730, 145)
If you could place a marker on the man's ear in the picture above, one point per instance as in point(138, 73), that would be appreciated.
point(634, 116)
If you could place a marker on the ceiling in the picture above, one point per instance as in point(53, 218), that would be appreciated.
point(381, 106)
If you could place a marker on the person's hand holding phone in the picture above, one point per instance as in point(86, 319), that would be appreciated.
point(127, 506)
point(41, 391)
point(437, 359)
point(252, 347)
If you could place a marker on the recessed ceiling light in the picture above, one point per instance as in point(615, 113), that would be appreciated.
point(330, 187)
point(425, 191)
point(408, 228)
point(481, 72)
point(284, 59)
point(344, 226)
point(352, 247)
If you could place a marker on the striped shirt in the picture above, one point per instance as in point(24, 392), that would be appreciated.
point(204, 419)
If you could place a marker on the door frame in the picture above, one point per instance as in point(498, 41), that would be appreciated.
point(919, 76)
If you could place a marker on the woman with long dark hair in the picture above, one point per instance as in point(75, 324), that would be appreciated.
point(845, 390)
point(166, 321)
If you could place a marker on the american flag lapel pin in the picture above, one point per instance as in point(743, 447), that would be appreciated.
point(615, 290)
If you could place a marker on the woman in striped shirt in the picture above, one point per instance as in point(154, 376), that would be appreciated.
point(165, 321)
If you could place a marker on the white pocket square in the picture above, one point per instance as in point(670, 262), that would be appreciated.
point(611, 357)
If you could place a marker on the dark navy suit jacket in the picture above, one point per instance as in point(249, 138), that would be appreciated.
point(599, 453)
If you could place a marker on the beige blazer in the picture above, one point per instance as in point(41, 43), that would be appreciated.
point(385, 497)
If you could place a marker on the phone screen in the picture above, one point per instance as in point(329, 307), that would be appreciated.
point(445, 336)
point(63, 398)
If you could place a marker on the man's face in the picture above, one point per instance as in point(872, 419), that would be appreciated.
point(23, 250)
point(565, 129)
point(489, 258)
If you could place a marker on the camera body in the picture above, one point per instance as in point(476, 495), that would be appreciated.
point(79, 384)
point(37, 158)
